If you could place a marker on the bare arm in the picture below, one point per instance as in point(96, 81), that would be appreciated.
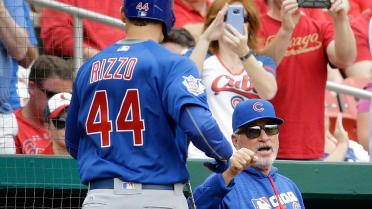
point(339, 153)
point(213, 32)
point(360, 69)
point(362, 129)
point(342, 51)
point(31, 55)
point(263, 81)
point(290, 15)
point(14, 37)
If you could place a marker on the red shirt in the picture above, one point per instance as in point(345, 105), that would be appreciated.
point(57, 30)
point(301, 78)
point(359, 6)
point(315, 13)
point(185, 15)
point(30, 138)
point(360, 27)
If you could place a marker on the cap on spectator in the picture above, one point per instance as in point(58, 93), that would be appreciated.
point(251, 110)
point(56, 104)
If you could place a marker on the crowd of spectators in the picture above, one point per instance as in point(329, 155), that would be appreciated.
point(286, 55)
point(294, 52)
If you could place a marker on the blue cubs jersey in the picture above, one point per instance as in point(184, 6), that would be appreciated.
point(250, 189)
point(126, 105)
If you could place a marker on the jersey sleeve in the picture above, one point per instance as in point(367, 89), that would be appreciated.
point(199, 125)
point(268, 64)
point(183, 86)
point(211, 193)
point(72, 137)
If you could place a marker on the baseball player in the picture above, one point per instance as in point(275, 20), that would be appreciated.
point(128, 103)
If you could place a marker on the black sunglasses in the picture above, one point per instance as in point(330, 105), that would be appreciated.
point(253, 132)
point(47, 92)
point(59, 123)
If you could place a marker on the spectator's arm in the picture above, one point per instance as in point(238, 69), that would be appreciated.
point(363, 129)
point(342, 51)
point(14, 37)
point(263, 81)
point(360, 69)
point(212, 33)
point(339, 153)
point(277, 48)
point(31, 55)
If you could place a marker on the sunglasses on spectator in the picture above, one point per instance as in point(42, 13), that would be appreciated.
point(48, 93)
point(253, 132)
point(59, 123)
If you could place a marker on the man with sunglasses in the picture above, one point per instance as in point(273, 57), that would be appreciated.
point(49, 76)
point(251, 181)
point(55, 114)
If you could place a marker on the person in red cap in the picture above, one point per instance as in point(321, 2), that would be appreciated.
point(55, 115)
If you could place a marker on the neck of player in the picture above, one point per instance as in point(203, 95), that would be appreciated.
point(151, 31)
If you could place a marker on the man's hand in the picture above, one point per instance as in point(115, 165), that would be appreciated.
point(338, 10)
point(216, 29)
point(241, 159)
point(340, 134)
point(290, 13)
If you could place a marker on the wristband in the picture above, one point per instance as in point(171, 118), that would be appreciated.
point(242, 58)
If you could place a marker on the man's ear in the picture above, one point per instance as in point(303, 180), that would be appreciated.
point(235, 141)
point(31, 87)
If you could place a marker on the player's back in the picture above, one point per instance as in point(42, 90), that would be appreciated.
point(129, 98)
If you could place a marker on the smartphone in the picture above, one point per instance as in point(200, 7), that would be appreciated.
point(314, 3)
point(235, 17)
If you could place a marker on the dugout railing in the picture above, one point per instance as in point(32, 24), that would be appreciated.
point(41, 181)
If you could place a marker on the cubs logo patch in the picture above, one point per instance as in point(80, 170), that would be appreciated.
point(235, 100)
point(193, 85)
point(258, 107)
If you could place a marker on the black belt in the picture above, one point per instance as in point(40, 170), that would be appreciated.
point(109, 184)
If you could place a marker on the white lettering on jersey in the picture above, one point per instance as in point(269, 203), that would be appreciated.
point(292, 196)
point(242, 86)
point(100, 71)
point(94, 71)
point(272, 202)
point(193, 85)
point(284, 197)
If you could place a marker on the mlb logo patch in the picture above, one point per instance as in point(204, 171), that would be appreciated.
point(128, 185)
point(261, 203)
point(123, 48)
point(193, 85)
point(142, 13)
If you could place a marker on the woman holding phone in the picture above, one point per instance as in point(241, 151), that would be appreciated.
point(232, 72)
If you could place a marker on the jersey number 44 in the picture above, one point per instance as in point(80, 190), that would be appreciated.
point(128, 118)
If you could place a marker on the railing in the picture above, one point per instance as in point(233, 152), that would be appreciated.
point(80, 14)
